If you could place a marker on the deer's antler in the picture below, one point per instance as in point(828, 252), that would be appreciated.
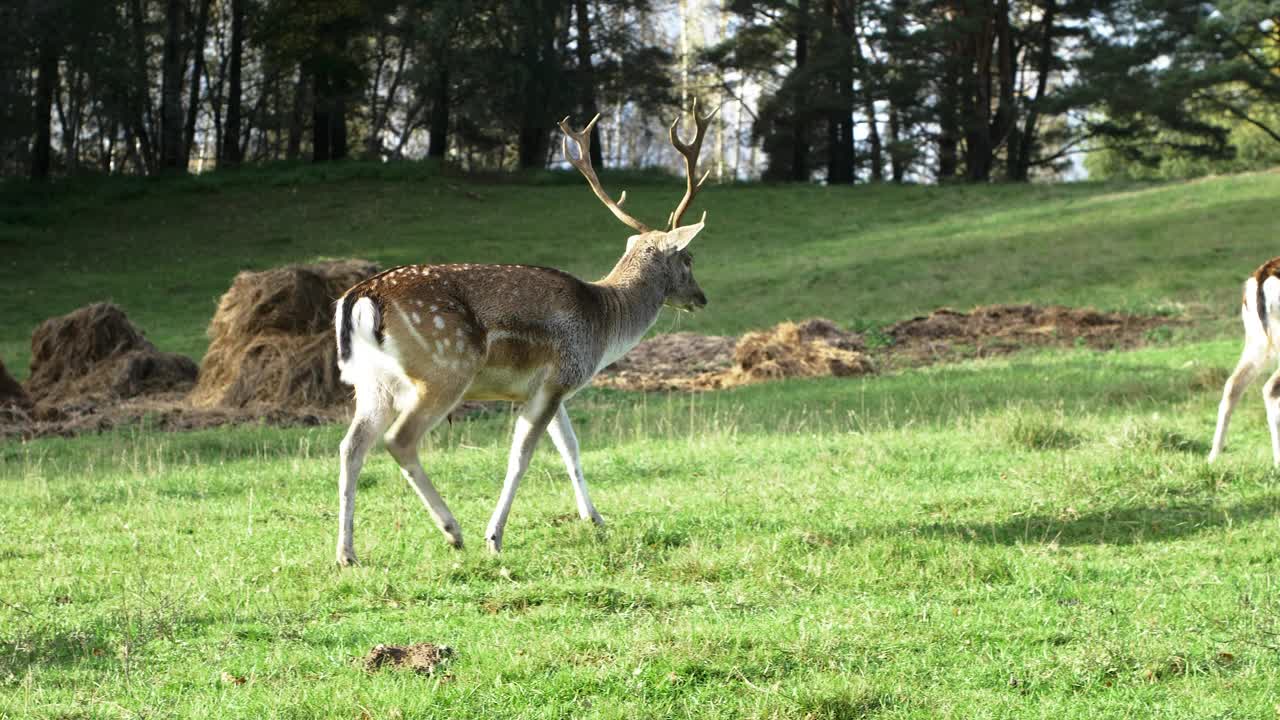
point(690, 152)
point(583, 162)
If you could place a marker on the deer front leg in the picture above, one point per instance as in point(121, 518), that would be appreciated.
point(561, 431)
point(532, 422)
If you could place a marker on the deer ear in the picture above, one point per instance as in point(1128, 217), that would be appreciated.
point(680, 238)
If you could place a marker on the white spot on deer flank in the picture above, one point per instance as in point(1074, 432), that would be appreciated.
point(417, 319)
point(439, 322)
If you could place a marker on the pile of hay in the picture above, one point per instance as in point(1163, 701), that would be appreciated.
point(11, 393)
point(271, 339)
point(813, 348)
point(685, 361)
point(94, 354)
point(15, 405)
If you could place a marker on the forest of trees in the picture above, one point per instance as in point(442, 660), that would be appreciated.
point(838, 91)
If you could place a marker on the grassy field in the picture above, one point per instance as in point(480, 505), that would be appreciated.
point(1034, 536)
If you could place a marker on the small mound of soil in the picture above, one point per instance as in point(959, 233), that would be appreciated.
point(422, 658)
point(819, 347)
point(95, 354)
point(683, 352)
point(655, 362)
point(1000, 329)
point(685, 361)
point(271, 339)
point(11, 393)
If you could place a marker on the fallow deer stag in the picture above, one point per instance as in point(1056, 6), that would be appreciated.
point(416, 341)
point(1260, 313)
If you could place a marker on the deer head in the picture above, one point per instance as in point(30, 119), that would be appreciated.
point(660, 257)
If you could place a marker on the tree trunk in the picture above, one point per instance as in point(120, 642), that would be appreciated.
point(197, 68)
point(296, 117)
point(1005, 124)
point(949, 116)
point(1021, 159)
point(141, 110)
point(867, 83)
point(540, 60)
point(329, 121)
point(897, 167)
point(587, 82)
point(800, 123)
point(979, 36)
point(438, 130)
point(46, 84)
point(171, 114)
point(231, 153)
point(383, 113)
point(534, 143)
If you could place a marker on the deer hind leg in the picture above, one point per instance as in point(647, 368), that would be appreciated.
point(1251, 362)
point(373, 412)
point(1257, 350)
point(561, 431)
point(530, 424)
point(1271, 397)
point(432, 405)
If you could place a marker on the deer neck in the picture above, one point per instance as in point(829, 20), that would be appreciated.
point(632, 295)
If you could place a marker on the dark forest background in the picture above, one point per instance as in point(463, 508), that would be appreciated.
point(839, 91)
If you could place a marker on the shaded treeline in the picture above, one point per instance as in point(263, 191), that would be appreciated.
point(833, 90)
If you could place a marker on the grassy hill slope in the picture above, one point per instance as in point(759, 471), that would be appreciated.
point(1030, 536)
point(166, 250)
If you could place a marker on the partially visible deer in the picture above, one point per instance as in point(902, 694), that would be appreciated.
point(416, 341)
point(1260, 312)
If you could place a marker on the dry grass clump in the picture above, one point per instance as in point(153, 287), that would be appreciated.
point(684, 361)
point(422, 658)
point(271, 338)
point(95, 354)
point(813, 348)
point(11, 392)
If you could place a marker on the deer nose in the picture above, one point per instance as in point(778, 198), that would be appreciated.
point(701, 299)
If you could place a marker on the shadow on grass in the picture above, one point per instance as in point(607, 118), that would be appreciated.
point(1111, 526)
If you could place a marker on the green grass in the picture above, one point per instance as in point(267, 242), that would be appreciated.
point(166, 250)
point(1033, 536)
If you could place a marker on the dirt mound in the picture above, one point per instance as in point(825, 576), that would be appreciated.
point(94, 354)
point(271, 338)
point(819, 347)
point(422, 658)
point(947, 334)
point(653, 363)
point(685, 361)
